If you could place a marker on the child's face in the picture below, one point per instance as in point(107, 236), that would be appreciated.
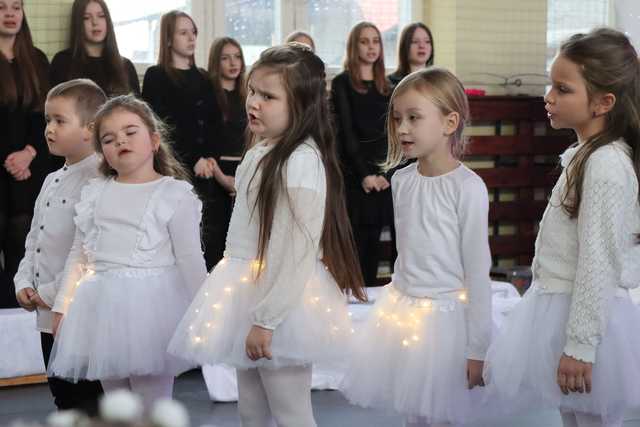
point(567, 101)
point(420, 49)
point(369, 45)
point(95, 23)
point(65, 133)
point(420, 126)
point(230, 62)
point(267, 104)
point(11, 15)
point(183, 42)
point(126, 142)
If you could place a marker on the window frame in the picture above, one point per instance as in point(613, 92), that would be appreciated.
point(209, 17)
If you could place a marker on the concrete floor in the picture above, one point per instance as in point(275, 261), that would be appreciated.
point(34, 403)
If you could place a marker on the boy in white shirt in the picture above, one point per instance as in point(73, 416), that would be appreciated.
point(69, 111)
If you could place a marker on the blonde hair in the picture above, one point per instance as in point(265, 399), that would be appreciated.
point(442, 88)
point(164, 160)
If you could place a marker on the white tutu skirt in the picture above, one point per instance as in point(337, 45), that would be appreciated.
point(119, 325)
point(216, 325)
point(522, 361)
point(410, 357)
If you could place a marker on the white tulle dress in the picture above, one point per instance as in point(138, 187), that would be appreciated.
point(579, 302)
point(411, 355)
point(135, 263)
point(294, 295)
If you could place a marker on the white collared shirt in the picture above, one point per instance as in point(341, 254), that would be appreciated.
point(51, 236)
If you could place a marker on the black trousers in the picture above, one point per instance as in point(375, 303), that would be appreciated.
point(82, 395)
point(217, 208)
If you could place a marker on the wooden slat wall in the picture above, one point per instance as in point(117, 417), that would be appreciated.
point(517, 168)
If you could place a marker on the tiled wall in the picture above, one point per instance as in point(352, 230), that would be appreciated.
point(472, 38)
point(502, 37)
point(49, 23)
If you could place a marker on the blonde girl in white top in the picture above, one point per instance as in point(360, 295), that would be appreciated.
point(423, 347)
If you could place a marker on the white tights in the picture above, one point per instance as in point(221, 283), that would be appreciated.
point(580, 419)
point(149, 387)
point(281, 395)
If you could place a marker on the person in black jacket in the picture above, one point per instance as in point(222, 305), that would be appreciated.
point(415, 51)
point(360, 96)
point(227, 73)
point(93, 52)
point(24, 157)
point(183, 96)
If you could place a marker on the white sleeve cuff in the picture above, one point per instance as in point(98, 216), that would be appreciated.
point(579, 351)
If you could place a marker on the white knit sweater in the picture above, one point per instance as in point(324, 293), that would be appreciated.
point(595, 256)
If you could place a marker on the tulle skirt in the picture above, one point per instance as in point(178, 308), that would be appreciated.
point(119, 325)
point(217, 323)
point(522, 361)
point(410, 357)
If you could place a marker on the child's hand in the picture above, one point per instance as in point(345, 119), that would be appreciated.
point(24, 298)
point(370, 183)
point(574, 375)
point(203, 168)
point(38, 301)
point(383, 184)
point(474, 373)
point(57, 318)
point(258, 343)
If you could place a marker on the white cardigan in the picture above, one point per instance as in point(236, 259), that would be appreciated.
point(595, 256)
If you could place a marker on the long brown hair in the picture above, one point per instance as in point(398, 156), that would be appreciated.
point(119, 82)
point(404, 46)
point(609, 64)
point(215, 55)
point(442, 88)
point(32, 87)
point(164, 160)
point(352, 61)
point(303, 77)
point(167, 30)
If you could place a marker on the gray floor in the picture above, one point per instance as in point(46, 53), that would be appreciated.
point(33, 403)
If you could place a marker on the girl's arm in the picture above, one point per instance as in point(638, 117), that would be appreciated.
point(473, 213)
point(607, 194)
point(73, 271)
point(293, 247)
point(184, 230)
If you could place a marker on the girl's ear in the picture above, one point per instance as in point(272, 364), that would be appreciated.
point(603, 103)
point(155, 141)
point(451, 122)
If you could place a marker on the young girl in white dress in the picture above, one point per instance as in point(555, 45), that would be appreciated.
point(276, 303)
point(135, 263)
point(572, 343)
point(423, 347)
